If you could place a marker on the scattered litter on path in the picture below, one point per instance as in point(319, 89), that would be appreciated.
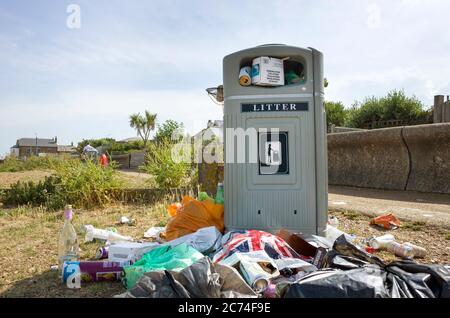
point(388, 221)
point(126, 221)
point(155, 234)
point(109, 235)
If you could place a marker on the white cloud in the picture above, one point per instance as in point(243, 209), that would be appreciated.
point(373, 16)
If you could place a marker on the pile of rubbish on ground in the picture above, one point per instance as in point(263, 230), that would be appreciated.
point(193, 257)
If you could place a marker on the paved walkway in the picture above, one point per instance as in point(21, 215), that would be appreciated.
point(407, 205)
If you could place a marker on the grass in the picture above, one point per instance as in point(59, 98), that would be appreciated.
point(12, 164)
point(414, 226)
point(28, 247)
point(351, 215)
point(447, 236)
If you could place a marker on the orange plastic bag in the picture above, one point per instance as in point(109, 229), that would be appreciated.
point(173, 208)
point(193, 215)
point(388, 221)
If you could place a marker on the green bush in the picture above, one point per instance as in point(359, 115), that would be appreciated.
point(168, 173)
point(82, 184)
point(12, 164)
point(34, 193)
point(110, 145)
point(394, 106)
point(336, 113)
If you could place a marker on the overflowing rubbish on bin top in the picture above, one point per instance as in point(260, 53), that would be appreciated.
point(201, 260)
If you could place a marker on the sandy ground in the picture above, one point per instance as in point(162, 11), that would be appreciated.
point(408, 205)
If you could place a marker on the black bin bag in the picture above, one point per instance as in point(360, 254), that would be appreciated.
point(352, 272)
point(364, 282)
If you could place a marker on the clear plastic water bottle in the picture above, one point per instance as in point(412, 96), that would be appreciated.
point(400, 250)
point(68, 241)
point(219, 199)
point(381, 242)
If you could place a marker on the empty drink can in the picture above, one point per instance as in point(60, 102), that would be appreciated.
point(255, 276)
point(102, 252)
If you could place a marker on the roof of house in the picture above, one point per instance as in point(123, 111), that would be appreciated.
point(210, 132)
point(41, 142)
point(131, 139)
point(68, 148)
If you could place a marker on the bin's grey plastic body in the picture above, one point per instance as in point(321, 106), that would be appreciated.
point(298, 200)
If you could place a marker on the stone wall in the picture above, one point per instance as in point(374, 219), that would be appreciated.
point(402, 158)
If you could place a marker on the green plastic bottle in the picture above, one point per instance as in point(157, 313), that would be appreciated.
point(219, 194)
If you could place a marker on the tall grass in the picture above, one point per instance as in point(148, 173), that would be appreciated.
point(12, 164)
point(82, 184)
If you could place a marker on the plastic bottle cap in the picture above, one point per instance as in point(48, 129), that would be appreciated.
point(68, 214)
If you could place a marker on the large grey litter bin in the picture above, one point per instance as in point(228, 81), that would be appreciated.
point(286, 186)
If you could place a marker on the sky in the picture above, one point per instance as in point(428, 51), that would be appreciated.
point(78, 72)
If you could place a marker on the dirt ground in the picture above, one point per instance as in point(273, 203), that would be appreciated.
point(9, 178)
point(28, 245)
point(432, 208)
point(436, 239)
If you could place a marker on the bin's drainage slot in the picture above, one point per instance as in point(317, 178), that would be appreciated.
point(295, 212)
point(259, 212)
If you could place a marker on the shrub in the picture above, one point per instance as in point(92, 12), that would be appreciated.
point(34, 193)
point(87, 184)
point(168, 173)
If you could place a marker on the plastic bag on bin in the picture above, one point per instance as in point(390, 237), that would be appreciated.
point(193, 215)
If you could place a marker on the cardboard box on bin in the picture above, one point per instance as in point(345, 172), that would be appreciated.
point(267, 71)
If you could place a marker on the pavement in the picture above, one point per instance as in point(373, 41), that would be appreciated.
point(407, 205)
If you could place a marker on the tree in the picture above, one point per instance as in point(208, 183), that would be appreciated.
point(336, 113)
point(144, 125)
point(166, 131)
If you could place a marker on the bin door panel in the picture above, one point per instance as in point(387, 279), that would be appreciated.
point(278, 190)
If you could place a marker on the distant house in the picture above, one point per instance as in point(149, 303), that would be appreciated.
point(67, 149)
point(129, 140)
point(214, 128)
point(26, 147)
